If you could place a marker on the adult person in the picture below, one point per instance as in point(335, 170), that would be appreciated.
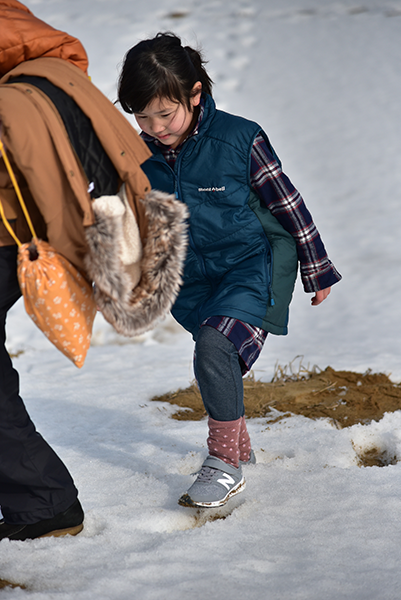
point(68, 146)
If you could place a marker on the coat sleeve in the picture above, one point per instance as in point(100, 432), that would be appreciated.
point(25, 37)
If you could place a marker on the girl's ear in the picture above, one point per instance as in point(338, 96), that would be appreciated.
point(196, 94)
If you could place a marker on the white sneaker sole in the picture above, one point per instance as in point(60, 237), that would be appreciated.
point(186, 500)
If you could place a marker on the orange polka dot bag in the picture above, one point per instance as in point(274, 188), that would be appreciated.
point(57, 297)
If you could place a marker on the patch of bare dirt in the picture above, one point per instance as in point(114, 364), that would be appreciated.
point(345, 397)
point(374, 457)
point(5, 584)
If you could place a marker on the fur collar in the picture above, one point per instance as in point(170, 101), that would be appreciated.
point(133, 307)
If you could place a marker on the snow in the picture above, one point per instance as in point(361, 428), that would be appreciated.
point(322, 78)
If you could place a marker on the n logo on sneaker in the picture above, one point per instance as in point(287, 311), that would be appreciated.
point(227, 481)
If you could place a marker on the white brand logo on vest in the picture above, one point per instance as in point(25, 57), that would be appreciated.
point(212, 189)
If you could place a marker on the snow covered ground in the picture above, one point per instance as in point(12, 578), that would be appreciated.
point(323, 78)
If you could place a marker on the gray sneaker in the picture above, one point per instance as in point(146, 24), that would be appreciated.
point(217, 481)
point(251, 461)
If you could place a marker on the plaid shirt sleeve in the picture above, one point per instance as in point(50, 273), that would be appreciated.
point(287, 205)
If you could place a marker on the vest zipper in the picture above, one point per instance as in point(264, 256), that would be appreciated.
point(269, 287)
point(192, 244)
point(199, 256)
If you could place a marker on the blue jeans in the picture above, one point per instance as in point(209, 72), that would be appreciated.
point(218, 372)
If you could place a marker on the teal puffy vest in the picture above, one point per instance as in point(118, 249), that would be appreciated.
point(240, 261)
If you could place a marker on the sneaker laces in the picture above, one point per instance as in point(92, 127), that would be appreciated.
point(205, 475)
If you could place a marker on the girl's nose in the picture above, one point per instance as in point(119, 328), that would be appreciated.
point(157, 127)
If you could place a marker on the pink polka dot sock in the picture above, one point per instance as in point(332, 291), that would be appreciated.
point(244, 442)
point(223, 440)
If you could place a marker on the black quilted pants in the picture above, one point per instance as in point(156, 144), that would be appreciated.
point(34, 483)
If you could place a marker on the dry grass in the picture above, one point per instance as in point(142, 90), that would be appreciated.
point(345, 397)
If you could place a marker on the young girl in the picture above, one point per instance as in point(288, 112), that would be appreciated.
point(248, 229)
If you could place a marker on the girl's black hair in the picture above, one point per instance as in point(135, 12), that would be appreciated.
point(160, 68)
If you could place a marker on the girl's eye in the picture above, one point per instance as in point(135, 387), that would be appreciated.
point(167, 115)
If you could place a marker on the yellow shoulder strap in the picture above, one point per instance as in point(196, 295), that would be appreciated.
point(19, 196)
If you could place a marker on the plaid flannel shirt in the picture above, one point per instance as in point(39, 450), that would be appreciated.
point(285, 202)
point(287, 205)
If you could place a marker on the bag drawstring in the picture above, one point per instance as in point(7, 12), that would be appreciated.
point(21, 201)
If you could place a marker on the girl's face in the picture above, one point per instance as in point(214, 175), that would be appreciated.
point(168, 121)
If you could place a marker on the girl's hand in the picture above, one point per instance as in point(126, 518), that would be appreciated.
point(320, 296)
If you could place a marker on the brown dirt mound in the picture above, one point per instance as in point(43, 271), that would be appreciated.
point(5, 584)
point(343, 396)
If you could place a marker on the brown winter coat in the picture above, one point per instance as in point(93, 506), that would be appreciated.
point(39, 146)
point(55, 187)
point(25, 37)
